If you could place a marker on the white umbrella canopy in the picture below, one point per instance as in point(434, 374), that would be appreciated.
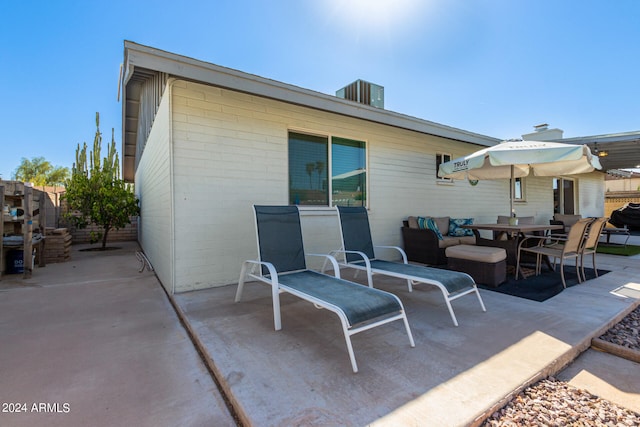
point(521, 158)
point(515, 159)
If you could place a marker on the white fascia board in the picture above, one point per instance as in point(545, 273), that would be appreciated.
point(190, 69)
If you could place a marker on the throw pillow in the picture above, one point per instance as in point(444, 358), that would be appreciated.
point(422, 222)
point(431, 225)
point(455, 228)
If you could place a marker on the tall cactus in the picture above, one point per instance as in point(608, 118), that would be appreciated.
point(95, 193)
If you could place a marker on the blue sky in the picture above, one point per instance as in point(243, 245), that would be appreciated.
point(494, 67)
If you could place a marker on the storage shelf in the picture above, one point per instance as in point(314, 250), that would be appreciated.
point(16, 194)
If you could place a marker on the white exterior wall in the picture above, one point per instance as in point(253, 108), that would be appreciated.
point(591, 188)
point(230, 151)
point(153, 188)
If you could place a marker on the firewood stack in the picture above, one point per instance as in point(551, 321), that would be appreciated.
point(57, 246)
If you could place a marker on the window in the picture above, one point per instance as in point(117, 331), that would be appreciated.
point(518, 190)
point(440, 159)
point(312, 159)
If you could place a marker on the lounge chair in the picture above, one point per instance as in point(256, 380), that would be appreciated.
point(282, 265)
point(358, 252)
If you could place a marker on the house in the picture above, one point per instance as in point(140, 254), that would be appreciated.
point(202, 143)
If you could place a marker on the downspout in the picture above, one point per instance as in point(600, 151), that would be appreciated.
point(172, 228)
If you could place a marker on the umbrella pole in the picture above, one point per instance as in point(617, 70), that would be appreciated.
point(511, 212)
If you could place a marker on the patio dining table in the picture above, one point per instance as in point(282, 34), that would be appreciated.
point(512, 231)
point(514, 234)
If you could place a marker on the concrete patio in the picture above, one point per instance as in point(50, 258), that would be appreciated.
point(99, 344)
point(453, 377)
point(100, 336)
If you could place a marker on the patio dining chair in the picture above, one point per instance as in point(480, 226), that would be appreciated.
point(591, 243)
point(556, 248)
point(357, 252)
point(282, 266)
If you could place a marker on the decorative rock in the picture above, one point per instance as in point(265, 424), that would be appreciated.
point(551, 402)
point(625, 333)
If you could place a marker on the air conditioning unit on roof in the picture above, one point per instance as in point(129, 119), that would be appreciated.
point(364, 93)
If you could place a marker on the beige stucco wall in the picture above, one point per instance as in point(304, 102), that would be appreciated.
point(230, 151)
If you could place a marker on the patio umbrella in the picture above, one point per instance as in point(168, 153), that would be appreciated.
point(515, 158)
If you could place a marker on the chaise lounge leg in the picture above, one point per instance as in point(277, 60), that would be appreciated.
point(275, 296)
point(406, 325)
point(347, 338)
point(453, 316)
point(480, 299)
point(243, 274)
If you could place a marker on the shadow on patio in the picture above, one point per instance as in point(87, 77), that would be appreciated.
point(454, 376)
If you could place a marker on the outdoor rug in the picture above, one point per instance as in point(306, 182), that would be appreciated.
point(541, 288)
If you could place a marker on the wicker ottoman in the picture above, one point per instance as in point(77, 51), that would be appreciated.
point(487, 265)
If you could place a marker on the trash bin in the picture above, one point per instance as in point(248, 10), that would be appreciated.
point(15, 262)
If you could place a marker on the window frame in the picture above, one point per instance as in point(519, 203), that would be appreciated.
point(440, 158)
point(558, 188)
point(329, 167)
point(523, 192)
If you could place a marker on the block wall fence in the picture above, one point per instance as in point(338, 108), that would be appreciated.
point(54, 208)
point(616, 199)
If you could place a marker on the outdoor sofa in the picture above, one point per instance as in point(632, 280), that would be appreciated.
point(426, 238)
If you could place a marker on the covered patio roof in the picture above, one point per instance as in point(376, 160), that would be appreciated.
point(622, 149)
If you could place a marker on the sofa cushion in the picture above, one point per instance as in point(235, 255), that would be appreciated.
point(468, 240)
point(455, 227)
point(448, 241)
point(477, 253)
point(412, 222)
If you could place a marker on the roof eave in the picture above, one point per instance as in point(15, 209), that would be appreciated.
point(178, 66)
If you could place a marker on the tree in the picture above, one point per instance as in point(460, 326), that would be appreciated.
point(310, 168)
point(95, 193)
point(40, 172)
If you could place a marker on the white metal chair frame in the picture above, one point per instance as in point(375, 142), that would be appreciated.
point(273, 280)
point(412, 279)
point(562, 248)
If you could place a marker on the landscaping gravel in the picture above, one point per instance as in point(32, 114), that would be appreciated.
point(556, 403)
point(626, 333)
